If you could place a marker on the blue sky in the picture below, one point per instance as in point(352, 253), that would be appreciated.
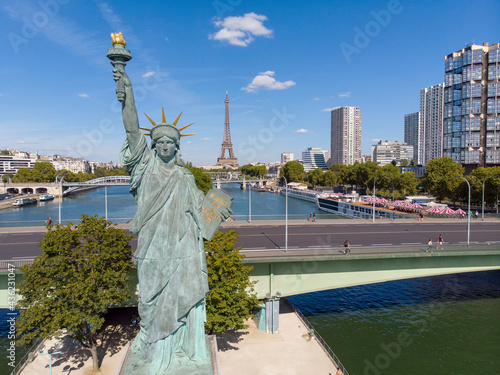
point(284, 64)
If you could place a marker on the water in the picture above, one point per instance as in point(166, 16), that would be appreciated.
point(122, 207)
point(438, 325)
point(445, 325)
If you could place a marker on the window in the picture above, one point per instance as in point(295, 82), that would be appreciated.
point(493, 123)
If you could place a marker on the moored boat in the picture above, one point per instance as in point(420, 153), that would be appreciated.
point(24, 202)
point(47, 197)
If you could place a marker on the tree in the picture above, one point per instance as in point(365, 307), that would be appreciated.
point(440, 178)
point(45, 170)
point(231, 298)
point(403, 163)
point(254, 170)
point(316, 177)
point(292, 171)
point(340, 171)
point(330, 179)
point(202, 179)
point(83, 270)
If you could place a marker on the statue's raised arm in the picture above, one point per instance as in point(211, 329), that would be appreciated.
point(129, 112)
point(119, 55)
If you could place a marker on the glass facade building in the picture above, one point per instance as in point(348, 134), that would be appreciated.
point(313, 158)
point(412, 127)
point(472, 106)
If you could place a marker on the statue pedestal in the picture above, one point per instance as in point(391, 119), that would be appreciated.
point(209, 367)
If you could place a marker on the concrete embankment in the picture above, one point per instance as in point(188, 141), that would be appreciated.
point(290, 351)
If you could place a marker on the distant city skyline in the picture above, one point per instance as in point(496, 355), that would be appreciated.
point(284, 71)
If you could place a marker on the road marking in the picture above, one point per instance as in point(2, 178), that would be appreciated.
point(254, 248)
point(31, 257)
point(411, 243)
point(381, 244)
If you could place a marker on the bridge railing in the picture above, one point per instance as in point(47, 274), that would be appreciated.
point(314, 334)
point(16, 264)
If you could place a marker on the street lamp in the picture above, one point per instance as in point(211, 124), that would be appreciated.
point(286, 213)
point(60, 193)
point(249, 202)
point(482, 202)
point(50, 354)
point(374, 179)
point(468, 210)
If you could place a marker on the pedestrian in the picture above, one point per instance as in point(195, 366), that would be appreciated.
point(440, 242)
point(310, 216)
point(49, 221)
point(421, 217)
point(430, 246)
point(314, 217)
point(339, 371)
point(394, 216)
point(134, 320)
point(477, 214)
point(347, 247)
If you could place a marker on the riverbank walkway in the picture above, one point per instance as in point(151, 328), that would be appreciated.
point(291, 351)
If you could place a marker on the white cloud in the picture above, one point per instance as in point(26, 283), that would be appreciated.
point(83, 95)
point(240, 31)
point(375, 140)
point(315, 98)
point(267, 81)
point(166, 38)
point(110, 16)
point(328, 109)
point(345, 94)
point(21, 142)
point(148, 74)
point(302, 131)
point(207, 139)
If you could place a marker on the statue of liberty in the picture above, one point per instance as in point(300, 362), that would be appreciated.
point(170, 255)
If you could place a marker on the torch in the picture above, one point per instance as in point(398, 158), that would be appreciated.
point(119, 56)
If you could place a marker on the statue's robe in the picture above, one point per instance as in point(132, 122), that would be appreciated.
point(170, 256)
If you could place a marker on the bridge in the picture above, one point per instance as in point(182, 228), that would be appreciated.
point(54, 188)
point(279, 274)
point(303, 271)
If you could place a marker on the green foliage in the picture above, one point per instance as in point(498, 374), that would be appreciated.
point(440, 178)
point(231, 298)
point(254, 170)
point(202, 179)
point(340, 171)
point(403, 163)
point(316, 177)
point(489, 178)
point(293, 171)
point(329, 179)
point(83, 270)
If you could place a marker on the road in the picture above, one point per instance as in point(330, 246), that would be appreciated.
point(257, 237)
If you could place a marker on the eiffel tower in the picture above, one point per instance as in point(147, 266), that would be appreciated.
point(227, 144)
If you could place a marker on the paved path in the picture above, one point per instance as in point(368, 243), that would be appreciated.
point(244, 352)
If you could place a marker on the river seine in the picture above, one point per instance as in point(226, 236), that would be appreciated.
point(436, 325)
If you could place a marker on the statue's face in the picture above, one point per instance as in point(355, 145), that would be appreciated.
point(165, 148)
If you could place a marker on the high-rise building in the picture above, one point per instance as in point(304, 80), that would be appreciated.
point(412, 127)
point(286, 157)
point(313, 158)
point(385, 152)
point(431, 123)
point(472, 106)
point(345, 135)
